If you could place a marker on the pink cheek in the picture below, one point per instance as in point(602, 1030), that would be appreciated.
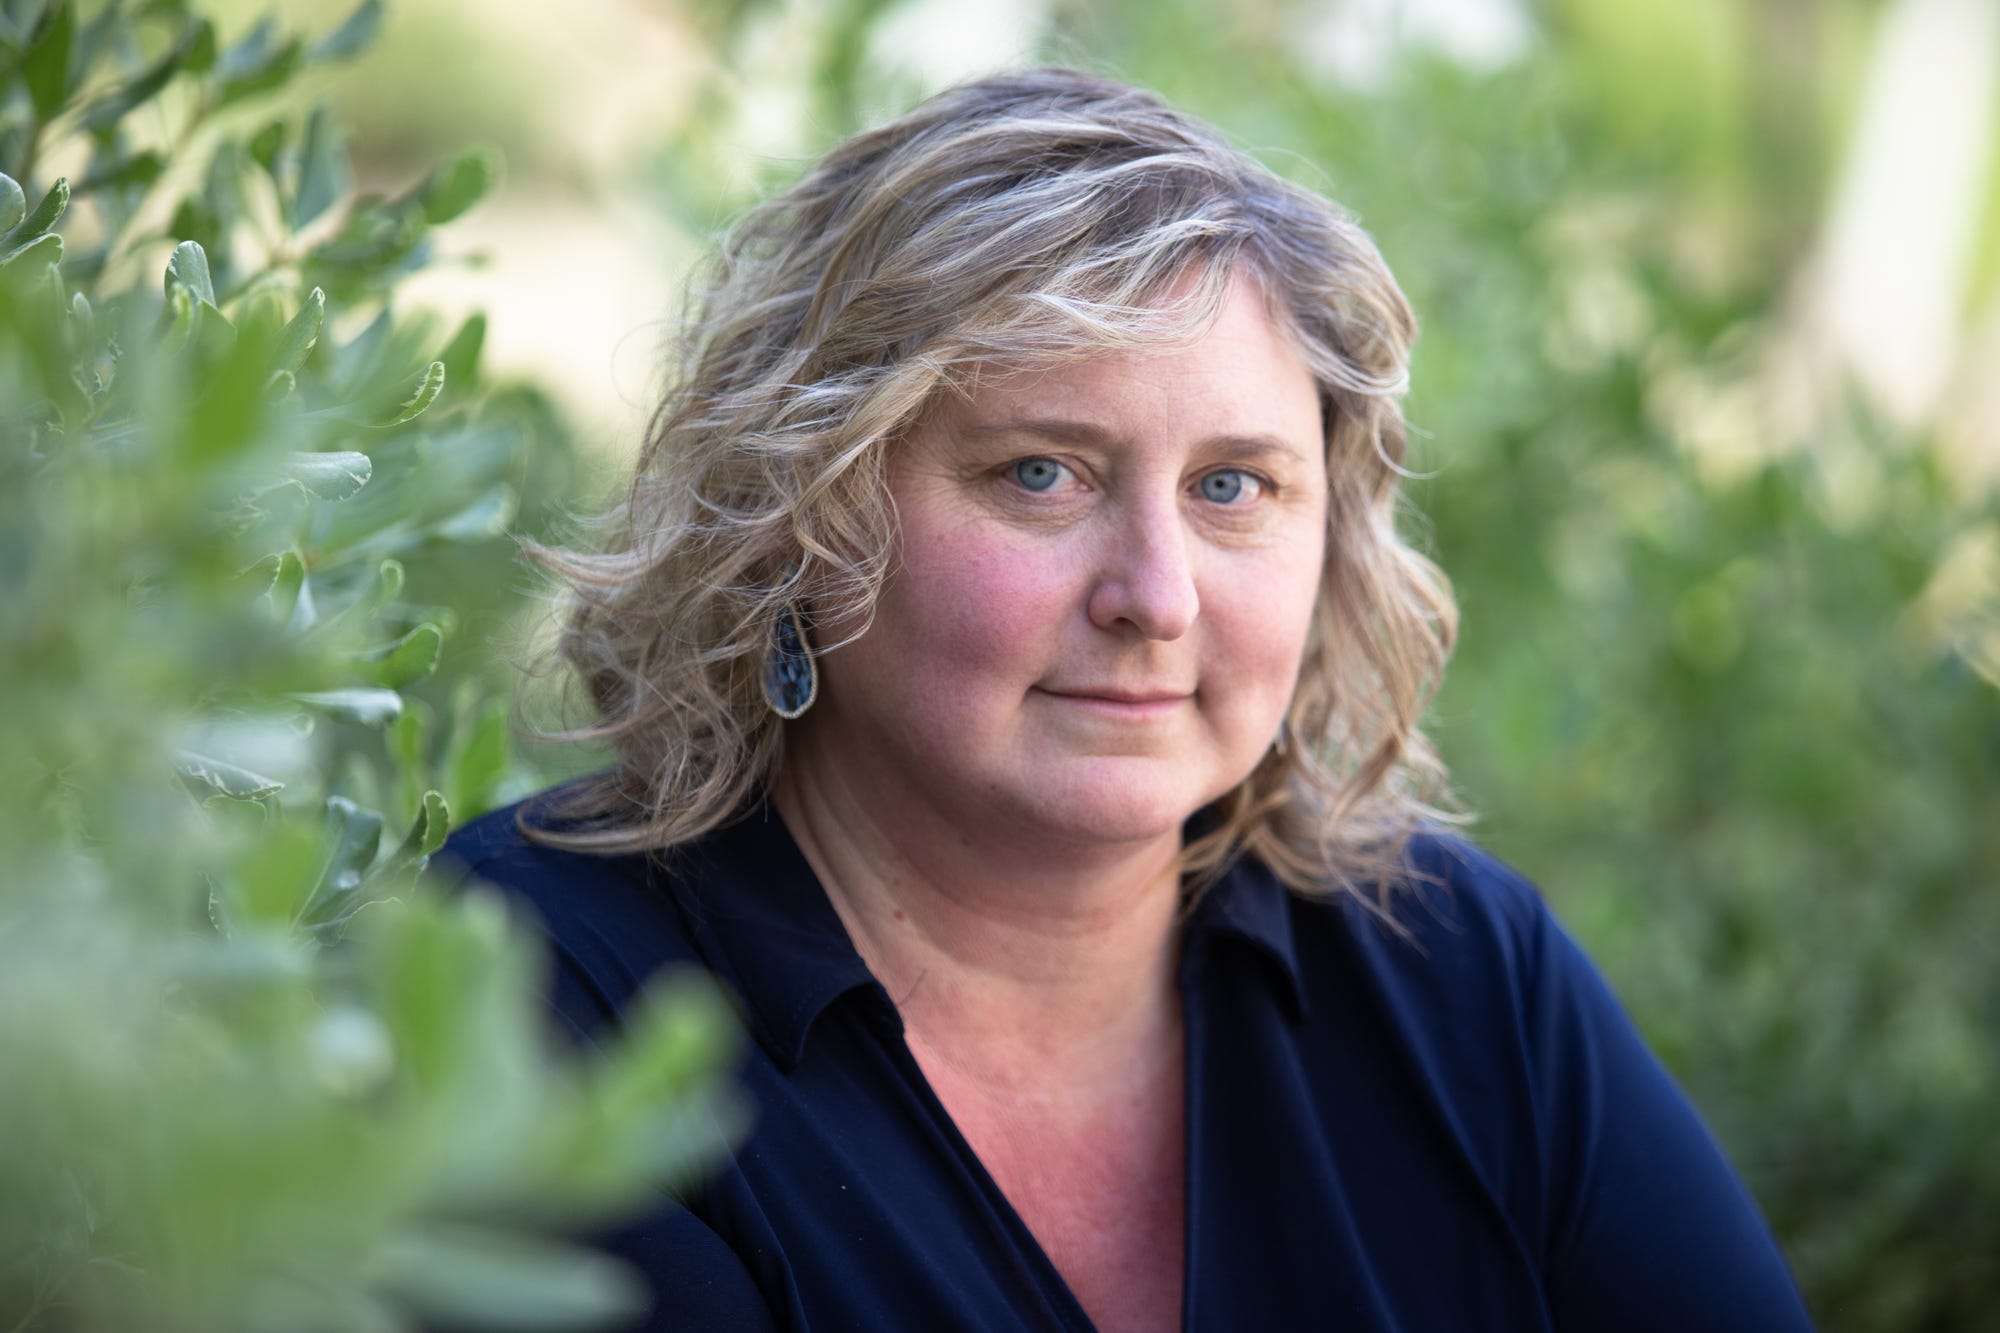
point(975, 613)
point(1259, 631)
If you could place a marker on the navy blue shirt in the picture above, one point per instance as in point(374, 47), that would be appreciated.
point(1458, 1131)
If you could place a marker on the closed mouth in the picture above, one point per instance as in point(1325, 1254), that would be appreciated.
point(1130, 698)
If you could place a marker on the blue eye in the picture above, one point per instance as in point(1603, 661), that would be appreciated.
point(1038, 474)
point(1227, 485)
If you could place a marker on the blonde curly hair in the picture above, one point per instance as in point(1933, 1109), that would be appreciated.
point(1027, 218)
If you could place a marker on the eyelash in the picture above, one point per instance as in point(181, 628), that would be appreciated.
point(1261, 484)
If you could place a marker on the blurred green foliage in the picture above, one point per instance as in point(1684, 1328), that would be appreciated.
point(257, 1075)
point(1719, 688)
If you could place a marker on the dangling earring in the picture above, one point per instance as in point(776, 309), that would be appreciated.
point(791, 681)
point(1283, 745)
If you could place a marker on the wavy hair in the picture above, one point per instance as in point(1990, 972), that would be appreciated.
point(1028, 218)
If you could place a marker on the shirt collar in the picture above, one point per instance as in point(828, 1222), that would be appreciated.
point(762, 920)
point(1251, 905)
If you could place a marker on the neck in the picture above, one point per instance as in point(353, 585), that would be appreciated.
point(1030, 955)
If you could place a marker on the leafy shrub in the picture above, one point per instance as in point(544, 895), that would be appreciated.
point(256, 1075)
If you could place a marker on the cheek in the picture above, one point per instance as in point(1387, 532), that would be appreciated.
point(966, 608)
point(1264, 622)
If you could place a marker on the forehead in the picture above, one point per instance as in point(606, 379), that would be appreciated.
point(1237, 375)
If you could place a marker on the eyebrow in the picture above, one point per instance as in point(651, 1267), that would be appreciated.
point(1062, 430)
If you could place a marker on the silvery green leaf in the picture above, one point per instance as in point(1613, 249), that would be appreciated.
point(324, 176)
point(256, 62)
point(333, 475)
point(461, 354)
point(488, 516)
point(225, 779)
point(44, 66)
point(459, 184)
point(13, 203)
point(355, 35)
point(296, 339)
point(188, 268)
point(421, 395)
point(405, 661)
point(44, 217)
point(357, 834)
point(44, 249)
point(366, 706)
point(426, 835)
point(196, 41)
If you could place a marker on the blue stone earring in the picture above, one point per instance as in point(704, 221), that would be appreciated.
point(791, 681)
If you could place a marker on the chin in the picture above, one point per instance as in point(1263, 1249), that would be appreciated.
point(1117, 801)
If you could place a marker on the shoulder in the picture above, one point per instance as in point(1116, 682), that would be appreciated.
point(1476, 994)
point(1462, 926)
point(1458, 886)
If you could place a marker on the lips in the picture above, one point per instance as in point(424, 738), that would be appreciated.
point(1117, 695)
point(1113, 694)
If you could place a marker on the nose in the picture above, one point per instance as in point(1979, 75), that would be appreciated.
point(1145, 582)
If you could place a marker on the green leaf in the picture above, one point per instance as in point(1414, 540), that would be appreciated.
point(200, 57)
point(290, 595)
point(44, 249)
point(179, 317)
point(44, 217)
point(461, 354)
point(267, 144)
point(405, 661)
point(222, 196)
point(407, 743)
point(13, 204)
point(477, 761)
point(140, 169)
point(356, 835)
point(45, 64)
point(270, 885)
point(188, 269)
point(388, 583)
point(296, 339)
point(458, 184)
point(426, 835)
point(361, 705)
point(488, 516)
point(353, 36)
point(256, 62)
point(332, 475)
point(371, 240)
point(225, 779)
point(143, 87)
point(499, 1280)
point(324, 176)
point(251, 51)
point(423, 392)
point(91, 36)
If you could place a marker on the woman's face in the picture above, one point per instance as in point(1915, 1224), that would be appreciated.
point(1106, 577)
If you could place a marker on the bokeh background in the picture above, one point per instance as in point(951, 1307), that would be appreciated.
point(1708, 416)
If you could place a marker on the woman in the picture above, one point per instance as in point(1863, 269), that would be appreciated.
point(1015, 673)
